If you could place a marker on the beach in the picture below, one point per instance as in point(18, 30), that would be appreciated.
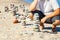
point(11, 31)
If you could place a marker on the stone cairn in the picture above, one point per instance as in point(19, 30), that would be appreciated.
point(36, 22)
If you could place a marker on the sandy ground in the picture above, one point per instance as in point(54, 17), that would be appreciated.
point(10, 31)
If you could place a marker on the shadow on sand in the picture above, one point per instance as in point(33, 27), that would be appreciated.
point(49, 28)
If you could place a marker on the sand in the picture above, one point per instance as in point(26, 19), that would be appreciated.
point(10, 31)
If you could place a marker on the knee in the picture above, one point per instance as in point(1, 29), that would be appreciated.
point(57, 22)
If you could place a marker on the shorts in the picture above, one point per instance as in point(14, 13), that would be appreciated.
point(49, 20)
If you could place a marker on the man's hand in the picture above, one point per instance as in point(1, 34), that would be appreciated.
point(43, 19)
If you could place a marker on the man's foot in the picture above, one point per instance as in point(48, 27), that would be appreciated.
point(15, 21)
point(54, 31)
point(41, 28)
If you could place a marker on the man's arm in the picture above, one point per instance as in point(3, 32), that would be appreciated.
point(33, 5)
point(55, 13)
point(56, 8)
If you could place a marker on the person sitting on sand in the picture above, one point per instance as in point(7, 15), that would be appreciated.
point(48, 10)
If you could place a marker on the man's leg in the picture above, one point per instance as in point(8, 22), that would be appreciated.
point(57, 22)
point(41, 26)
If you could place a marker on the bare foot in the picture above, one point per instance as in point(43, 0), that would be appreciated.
point(41, 28)
point(53, 31)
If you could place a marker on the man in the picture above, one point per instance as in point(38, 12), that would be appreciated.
point(51, 10)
